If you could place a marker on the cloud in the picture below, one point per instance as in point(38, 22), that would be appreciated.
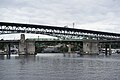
point(103, 15)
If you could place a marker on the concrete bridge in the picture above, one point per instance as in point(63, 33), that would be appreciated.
point(24, 47)
point(27, 47)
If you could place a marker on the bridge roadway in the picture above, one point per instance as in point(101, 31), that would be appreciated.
point(9, 41)
point(61, 32)
point(79, 41)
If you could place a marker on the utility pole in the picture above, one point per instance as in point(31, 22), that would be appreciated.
point(73, 25)
point(38, 37)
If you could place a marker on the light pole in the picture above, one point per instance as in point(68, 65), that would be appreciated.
point(73, 25)
point(38, 37)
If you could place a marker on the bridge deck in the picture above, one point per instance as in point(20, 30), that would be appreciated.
point(58, 28)
point(9, 41)
point(99, 41)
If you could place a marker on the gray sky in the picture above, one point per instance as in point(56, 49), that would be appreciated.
point(102, 15)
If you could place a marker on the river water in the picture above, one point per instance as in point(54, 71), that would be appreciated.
point(59, 67)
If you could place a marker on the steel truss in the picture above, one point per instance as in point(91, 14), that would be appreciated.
point(60, 32)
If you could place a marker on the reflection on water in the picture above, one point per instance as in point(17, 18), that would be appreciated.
point(58, 67)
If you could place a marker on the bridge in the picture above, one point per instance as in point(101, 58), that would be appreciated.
point(60, 32)
point(28, 45)
point(91, 40)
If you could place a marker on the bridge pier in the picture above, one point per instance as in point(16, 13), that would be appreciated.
point(106, 52)
point(26, 47)
point(69, 48)
point(100, 48)
point(22, 45)
point(108, 46)
point(30, 47)
point(7, 49)
point(90, 47)
point(110, 51)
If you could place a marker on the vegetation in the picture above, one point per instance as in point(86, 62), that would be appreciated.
point(63, 48)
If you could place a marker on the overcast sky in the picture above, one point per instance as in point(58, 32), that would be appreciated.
point(102, 15)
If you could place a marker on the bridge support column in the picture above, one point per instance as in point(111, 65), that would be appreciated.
point(26, 47)
point(110, 49)
point(99, 48)
point(90, 48)
point(69, 48)
point(7, 49)
point(106, 52)
point(64, 49)
point(22, 45)
point(30, 46)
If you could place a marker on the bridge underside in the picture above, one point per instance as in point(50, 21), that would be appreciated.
point(84, 46)
point(60, 32)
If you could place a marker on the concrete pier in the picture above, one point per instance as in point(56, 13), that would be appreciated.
point(7, 50)
point(22, 45)
point(69, 48)
point(106, 52)
point(30, 46)
point(110, 51)
point(90, 48)
point(26, 47)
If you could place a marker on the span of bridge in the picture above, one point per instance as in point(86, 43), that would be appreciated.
point(27, 47)
point(64, 41)
point(60, 32)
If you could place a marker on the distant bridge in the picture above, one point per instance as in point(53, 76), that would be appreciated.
point(60, 32)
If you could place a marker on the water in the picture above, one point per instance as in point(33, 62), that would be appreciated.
point(58, 67)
